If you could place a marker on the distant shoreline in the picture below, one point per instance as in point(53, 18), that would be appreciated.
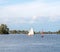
point(5, 30)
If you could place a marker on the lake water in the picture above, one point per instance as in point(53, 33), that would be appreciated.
point(24, 43)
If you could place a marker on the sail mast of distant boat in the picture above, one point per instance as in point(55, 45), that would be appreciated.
point(42, 34)
point(31, 32)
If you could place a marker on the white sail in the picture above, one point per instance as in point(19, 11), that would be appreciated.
point(31, 32)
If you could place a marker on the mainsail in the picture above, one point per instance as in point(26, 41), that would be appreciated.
point(31, 32)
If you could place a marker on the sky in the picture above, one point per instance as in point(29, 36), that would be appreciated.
point(24, 14)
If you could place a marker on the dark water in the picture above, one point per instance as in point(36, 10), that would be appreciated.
point(24, 43)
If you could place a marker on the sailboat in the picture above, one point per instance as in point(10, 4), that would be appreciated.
point(31, 32)
point(42, 34)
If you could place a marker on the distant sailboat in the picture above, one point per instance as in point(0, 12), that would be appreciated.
point(31, 32)
point(42, 34)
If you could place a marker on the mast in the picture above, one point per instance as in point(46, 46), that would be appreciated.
point(42, 34)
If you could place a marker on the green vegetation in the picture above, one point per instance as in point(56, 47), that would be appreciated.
point(18, 32)
point(58, 32)
point(4, 29)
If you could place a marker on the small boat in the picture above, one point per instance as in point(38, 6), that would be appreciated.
point(42, 34)
point(31, 32)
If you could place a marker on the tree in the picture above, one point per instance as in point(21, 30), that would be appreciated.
point(13, 31)
point(58, 32)
point(4, 29)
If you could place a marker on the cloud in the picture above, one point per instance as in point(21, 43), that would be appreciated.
point(33, 20)
point(30, 12)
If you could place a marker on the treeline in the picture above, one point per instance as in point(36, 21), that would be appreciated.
point(18, 32)
point(49, 32)
point(26, 32)
point(5, 30)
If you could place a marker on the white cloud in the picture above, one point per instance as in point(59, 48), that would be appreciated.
point(30, 10)
point(34, 17)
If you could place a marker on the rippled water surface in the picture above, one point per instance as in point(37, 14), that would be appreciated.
point(25, 43)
